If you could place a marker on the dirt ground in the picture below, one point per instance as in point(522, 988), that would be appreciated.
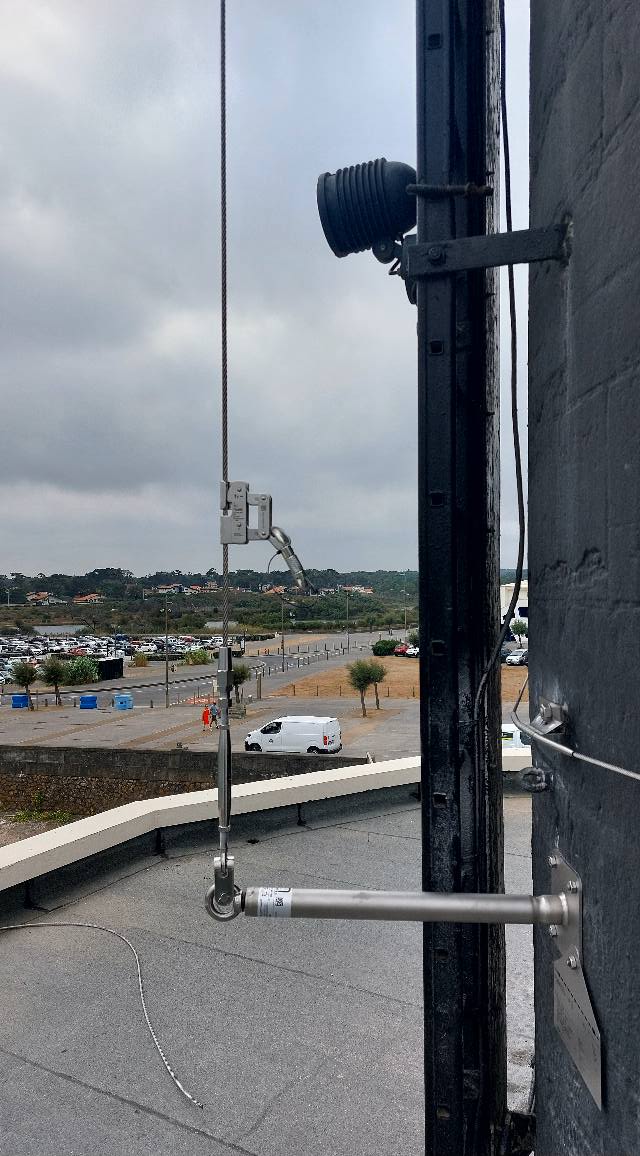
point(402, 681)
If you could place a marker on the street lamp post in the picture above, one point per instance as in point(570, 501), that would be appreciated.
point(282, 628)
point(348, 639)
point(166, 652)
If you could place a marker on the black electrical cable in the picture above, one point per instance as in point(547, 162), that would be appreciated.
point(514, 384)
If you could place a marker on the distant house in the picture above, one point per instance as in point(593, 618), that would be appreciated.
point(44, 598)
point(88, 599)
point(357, 589)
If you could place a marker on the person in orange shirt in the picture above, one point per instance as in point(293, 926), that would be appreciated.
point(206, 719)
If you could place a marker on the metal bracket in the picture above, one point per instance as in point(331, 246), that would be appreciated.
point(456, 256)
point(573, 1013)
point(550, 719)
point(235, 500)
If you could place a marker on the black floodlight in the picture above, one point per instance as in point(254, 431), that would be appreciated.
point(367, 207)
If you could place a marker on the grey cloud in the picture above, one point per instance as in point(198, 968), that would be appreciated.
point(109, 274)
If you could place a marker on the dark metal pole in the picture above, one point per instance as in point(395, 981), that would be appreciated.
point(458, 541)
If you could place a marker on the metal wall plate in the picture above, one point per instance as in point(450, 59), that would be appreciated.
point(573, 1014)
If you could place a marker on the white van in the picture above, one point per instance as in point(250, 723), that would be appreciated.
point(512, 739)
point(297, 734)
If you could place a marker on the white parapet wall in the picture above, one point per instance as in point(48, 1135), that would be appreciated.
point(29, 858)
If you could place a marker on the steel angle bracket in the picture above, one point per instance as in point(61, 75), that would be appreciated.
point(235, 500)
point(573, 1014)
point(522, 247)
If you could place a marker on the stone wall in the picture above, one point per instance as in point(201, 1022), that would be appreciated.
point(85, 780)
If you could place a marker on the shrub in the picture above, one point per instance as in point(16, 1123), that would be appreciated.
point(197, 657)
point(139, 660)
point(384, 646)
point(81, 670)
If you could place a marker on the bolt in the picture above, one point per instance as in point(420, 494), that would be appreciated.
point(572, 886)
point(552, 861)
point(546, 713)
point(572, 962)
point(435, 254)
point(553, 930)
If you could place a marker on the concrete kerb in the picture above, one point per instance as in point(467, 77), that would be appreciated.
point(51, 850)
point(41, 854)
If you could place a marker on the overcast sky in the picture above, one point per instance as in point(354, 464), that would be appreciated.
point(109, 266)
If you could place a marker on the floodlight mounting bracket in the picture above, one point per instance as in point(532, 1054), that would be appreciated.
point(460, 254)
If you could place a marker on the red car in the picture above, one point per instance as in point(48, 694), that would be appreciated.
point(401, 648)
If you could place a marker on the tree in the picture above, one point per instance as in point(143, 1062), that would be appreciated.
point(241, 673)
point(519, 628)
point(378, 674)
point(80, 670)
point(361, 678)
point(24, 674)
point(52, 672)
point(384, 646)
point(413, 637)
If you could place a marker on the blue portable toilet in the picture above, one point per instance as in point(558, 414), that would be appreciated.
point(123, 701)
point(19, 701)
point(88, 701)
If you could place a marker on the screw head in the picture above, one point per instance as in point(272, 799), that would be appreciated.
point(435, 254)
point(552, 861)
point(572, 962)
point(553, 930)
point(572, 886)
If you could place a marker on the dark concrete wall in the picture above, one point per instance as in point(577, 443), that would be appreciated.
point(85, 780)
point(584, 537)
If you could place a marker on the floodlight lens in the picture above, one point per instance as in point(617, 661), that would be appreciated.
point(365, 204)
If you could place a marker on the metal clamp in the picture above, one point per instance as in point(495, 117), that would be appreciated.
point(235, 500)
point(550, 719)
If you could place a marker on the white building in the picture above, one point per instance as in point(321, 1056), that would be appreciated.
point(522, 608)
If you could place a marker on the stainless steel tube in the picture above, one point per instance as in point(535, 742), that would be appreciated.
point(421, 906)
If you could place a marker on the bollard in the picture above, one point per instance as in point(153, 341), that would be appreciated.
point(387, 691)
point(317, 691)
point(293, 687)
point(413, 692)
point(340, 690)
point(151, 704)
point(75, 702)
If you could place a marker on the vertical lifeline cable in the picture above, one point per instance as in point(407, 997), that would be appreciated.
point(223, 889)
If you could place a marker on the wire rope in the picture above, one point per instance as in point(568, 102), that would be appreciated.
point(554, 745)
point(224, 384)
point(118, 935)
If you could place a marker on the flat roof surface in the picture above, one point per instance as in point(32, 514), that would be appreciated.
point(297, 1036)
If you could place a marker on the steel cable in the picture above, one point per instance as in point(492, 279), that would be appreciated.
point(118, 935)
point(223, 305)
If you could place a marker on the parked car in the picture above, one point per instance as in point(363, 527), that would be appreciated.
point(297, 734)
point(412, 652)
point(518, 658)
point(401, 648)
point(505, 651)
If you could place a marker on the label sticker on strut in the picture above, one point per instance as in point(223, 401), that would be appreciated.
point(274, 901)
